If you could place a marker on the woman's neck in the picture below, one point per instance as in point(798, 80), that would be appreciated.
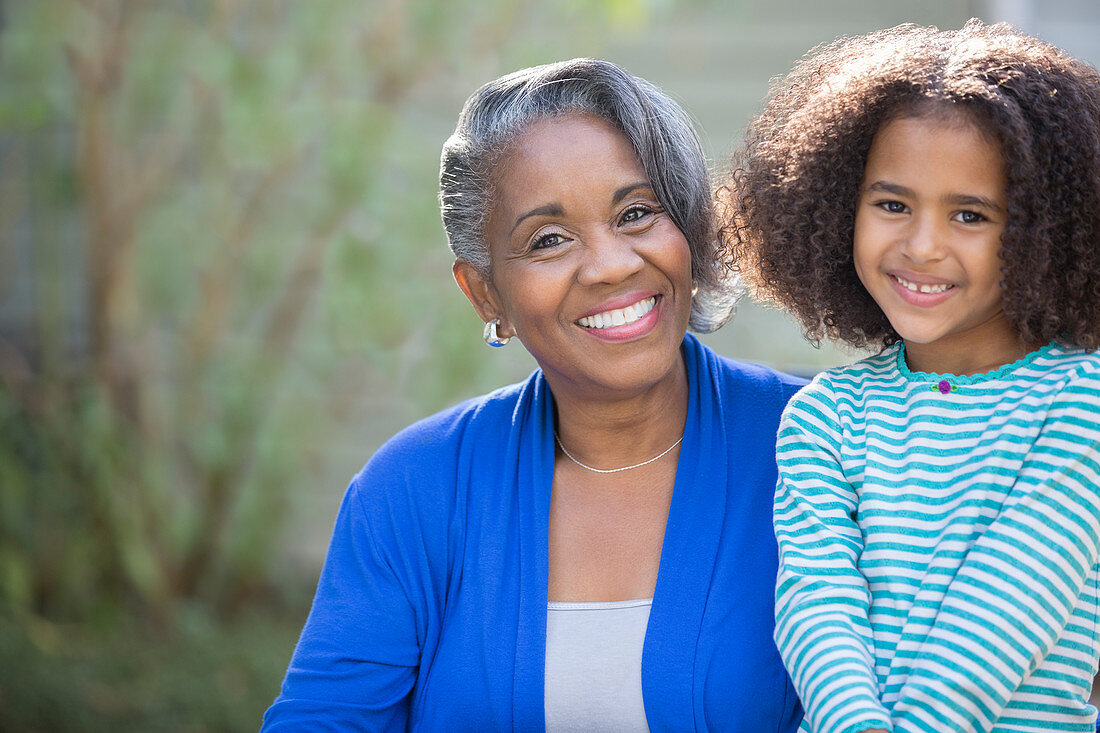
point(610, 431)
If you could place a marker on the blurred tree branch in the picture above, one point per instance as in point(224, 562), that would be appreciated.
point(208, 162)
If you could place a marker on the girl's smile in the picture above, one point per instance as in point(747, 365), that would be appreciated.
point(928, 227)
point(916, 287)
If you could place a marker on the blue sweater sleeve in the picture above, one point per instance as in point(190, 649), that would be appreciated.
point(356, 661)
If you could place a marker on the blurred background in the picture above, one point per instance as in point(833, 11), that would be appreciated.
point(223, 283)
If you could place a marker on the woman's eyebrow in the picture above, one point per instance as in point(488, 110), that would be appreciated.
point(544, 210)
point(557, 210)
point(626, 190)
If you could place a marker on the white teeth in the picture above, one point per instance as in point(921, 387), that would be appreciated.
point(917, 288)
point(620, 316)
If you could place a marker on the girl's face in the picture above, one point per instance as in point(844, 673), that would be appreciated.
point(931, 211)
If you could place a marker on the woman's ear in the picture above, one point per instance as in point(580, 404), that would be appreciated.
point(481, 293)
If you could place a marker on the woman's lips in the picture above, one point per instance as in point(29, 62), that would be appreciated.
point(619, 316)
point(622, 324)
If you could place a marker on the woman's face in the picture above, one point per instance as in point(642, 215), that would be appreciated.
point(587, 269)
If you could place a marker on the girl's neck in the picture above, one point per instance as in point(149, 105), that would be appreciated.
point(967, 359)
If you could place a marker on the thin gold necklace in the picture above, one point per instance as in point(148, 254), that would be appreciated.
point(615, 470)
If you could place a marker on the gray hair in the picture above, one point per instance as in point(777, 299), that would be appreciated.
point(656, 126)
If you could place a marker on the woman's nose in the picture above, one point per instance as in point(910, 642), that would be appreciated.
point(609, 258)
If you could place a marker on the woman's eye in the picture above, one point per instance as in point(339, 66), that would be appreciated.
point(969, 217)
point(635, 213)
point(893, 207)
point(553, 239)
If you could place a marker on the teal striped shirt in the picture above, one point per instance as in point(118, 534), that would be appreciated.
point(939, 539)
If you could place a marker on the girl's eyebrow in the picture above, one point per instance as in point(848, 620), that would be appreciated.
point(964, 199)
point(893, 188)
point(956, 199)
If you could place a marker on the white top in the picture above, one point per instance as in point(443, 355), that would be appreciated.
point(939, 541)
point(594, 666)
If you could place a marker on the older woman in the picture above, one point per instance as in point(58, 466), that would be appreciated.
point(590, 549)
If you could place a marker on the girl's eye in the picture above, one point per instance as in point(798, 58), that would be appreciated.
point(893, 207)
point(969, 217)
point(551, 239)
point(635, 213)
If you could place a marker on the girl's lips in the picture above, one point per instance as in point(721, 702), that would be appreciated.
point(633, 321)
point(922, 294)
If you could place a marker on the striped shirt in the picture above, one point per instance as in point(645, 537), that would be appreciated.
point(939, 539)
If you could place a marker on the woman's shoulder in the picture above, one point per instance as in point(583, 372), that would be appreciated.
point(420, 464)
point(748, 376)
point(438, 435)
point(760, 374)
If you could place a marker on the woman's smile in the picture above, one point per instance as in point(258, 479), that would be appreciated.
point(620, 324)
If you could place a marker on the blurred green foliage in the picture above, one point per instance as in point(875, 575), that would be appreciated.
point(203, 205)
point(199, 676)
point(222, 274)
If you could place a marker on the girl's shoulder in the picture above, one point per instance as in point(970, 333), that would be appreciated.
point(1070, 360)
point(1066, 374)
point(851, 379)
point(887, 370)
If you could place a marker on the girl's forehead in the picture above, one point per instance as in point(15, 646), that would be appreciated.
point(947, 113)
point(936, 160)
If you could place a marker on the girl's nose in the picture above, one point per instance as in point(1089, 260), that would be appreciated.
point(609, 259)
point(924, 242)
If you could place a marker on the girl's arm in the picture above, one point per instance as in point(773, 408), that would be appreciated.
point(356, 661)
point(1014, 594)
point(822, 601)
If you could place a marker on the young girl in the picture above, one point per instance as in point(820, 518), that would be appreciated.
point(936, 195)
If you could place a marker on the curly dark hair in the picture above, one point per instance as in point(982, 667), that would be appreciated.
point(788, 212)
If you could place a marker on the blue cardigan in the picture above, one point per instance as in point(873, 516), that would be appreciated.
point(430, 613)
